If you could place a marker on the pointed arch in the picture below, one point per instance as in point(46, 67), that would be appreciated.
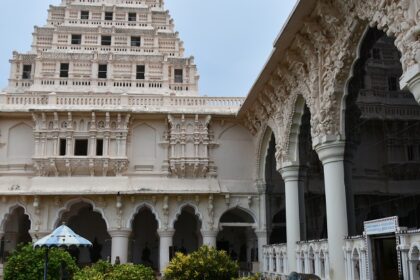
point(263, 146)
point(10, 211)
point(179, 212)
point(293, 131)
point(138, 208)
point(248, 214)
point(67, 207)
point(20, 142)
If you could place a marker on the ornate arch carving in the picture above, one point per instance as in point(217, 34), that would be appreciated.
point(179, 211)
point(137, 209)
point(67, 207)
point(10, 211)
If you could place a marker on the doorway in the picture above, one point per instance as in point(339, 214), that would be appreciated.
point(385, 258)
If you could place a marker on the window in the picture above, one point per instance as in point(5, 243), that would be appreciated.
point(99, 147)
point(76, 39)
point(132, 17)
point(27, 70)
point(81, 147)
point(63, 145)
point(102, 71)
point(106, 40)
point(64, 70)
point(109, 15)
point(140, 72)
point(135, 41)
point(84, 15)
point(376, 53)
point(392, 84)
point(178, 76)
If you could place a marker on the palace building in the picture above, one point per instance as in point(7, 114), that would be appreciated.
point(317, 170)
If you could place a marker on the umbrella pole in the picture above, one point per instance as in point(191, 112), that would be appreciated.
point(46, 265)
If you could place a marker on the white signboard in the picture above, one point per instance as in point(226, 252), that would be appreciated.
point(381, 226)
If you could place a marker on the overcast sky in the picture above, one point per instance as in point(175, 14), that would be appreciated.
point(230, 39)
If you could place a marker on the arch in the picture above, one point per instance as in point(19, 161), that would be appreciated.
point(67, 207)
point(10, 211)
point(343, 105)
point(138, 208)
point(179, 212)
point(263, 146)
point(293, 131)
point(245, 211)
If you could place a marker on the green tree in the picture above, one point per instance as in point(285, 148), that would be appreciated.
point(204, 264)
point(27, 263)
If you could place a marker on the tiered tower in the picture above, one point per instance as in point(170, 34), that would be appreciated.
point(105, 46)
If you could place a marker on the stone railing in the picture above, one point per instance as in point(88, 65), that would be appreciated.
point(312, 258)
point(275, 261)
point(135, 103)
point(356, 258)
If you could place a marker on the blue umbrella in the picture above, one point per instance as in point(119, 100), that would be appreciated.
point(62, 237)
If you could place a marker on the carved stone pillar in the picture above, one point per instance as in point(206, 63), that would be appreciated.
point(331, 155)
point(209, 237)
point(290, 176)
point(119, 244)
point(262, 241)
point(164, 247)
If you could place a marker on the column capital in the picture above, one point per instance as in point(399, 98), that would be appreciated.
point(331, 151)
point(209, 233)
point(290, 173)
point(261, 233)
point(125, 232)
point(410, 80)
point(166, 232)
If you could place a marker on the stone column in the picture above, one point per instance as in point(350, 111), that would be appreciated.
point(164, 247)
point(209, 237)
point(119, 246)
point(332, 156)
point(290, 176)
point(262, 241)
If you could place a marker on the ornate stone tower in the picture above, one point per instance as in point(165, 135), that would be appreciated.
point(105, 46)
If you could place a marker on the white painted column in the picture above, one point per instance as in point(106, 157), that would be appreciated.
point(332, 156)
point(119, 246)
point(290, 176)
point(164, 246)
point(262, 241)
point(209, 237)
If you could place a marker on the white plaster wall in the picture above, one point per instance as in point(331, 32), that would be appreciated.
point(235, 155)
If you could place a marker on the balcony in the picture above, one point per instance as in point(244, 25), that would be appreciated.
point(80, 166)
point(133, 102)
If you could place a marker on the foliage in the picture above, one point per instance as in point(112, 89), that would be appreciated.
point(104, 271)
point(204, 264)
point(27, 263)
point(131, 272)
point(254, 277)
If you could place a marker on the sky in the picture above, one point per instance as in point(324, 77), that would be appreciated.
point(231, 40)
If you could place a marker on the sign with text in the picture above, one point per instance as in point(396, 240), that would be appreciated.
point(381, 226)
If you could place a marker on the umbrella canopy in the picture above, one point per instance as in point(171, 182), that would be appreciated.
point(62, 236)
